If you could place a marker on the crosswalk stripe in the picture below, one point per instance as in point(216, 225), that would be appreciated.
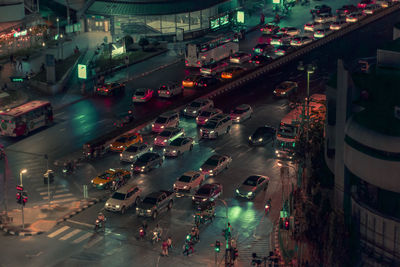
point(60, 196)
point(80, 239)
point(64, 200)
point(70, 234)
point(57, 191)
point(44, 188)
point(59, 231)
point(93, 242)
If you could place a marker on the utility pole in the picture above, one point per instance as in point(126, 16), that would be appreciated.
point(5, 182)
point(22, 205)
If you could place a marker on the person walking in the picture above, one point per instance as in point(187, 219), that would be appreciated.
point(169, 241)
point(20, 64)
point(164, 248)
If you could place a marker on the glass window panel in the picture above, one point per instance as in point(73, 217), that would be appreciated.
point(168, 24)
point(195, 20)
point(182, 21)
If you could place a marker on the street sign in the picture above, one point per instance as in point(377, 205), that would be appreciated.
point(276, 1)
point(82, 71)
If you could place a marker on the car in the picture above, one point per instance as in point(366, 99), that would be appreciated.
point(213, 68)
point(252, 185)
point(270, 28)
point(262, 48)
point(124, 118)
point(260, 59)
point(147, 162)
point(364, 3)
point(133, 152)
point(188, 181)
point(167, 119)
point(324, 18)
point(371, 9)
point(179, 146)
point(354, 17)
point(311, 26)
point(104, 180)
point(282, 50)
point(292, 31)
point(300, 41)
point(142, 95)
point(239, 57)
point(215, 164)
point(321, 9)
point(154, 203)
point(206, 115)
point(206, 81)
point(196, 106)
point(280, 39)
point(190, 81)
point(285, 89)
point(262, 135)
point(215, 127)
point(206, 192)
point(232, 72)
point(121, 143)
point(346, 9)
point(169, 90)
point(241, 113)
point(337, 25)
point(321, 33)
point(110, 89)
point(168, 135)
point(264, 39)
point(124, 198)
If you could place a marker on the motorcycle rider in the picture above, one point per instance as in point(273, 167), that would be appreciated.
point(158, 231)
point(102, 220)
point(277, 18)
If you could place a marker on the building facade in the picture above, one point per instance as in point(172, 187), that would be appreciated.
point(362, 149)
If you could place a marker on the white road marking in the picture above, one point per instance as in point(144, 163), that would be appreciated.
point(93, 242)
point(60, 196)
point(80, 223)
point(64, 200)
point(59, 231)
point(80, 239)
point(44, 188)
point(70, 234)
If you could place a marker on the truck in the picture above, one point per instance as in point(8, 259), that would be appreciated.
point(154, 203)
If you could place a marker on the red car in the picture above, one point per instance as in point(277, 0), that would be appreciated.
point(110, 89)
point(207, 192)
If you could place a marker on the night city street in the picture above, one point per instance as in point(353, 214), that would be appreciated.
point(331, 164)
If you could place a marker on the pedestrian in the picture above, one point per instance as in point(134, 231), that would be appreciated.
point(5, 87)
point(42, 67)
point(169, 241)
point(197, 234)
point(20, 64)
point(165, 248)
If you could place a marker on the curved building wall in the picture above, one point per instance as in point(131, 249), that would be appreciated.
point(11, 10)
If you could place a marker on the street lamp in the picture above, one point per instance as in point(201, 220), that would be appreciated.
point(23, 171)
point(58, 26)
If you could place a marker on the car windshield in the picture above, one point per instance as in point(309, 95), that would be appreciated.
point(185, 179)
point(121, 140)
point(144, 158)
point(195, 104)
point(252, 181)
point(211, 124)
point(212, 162)
point(132, 149)
point(105, 176)
point(205, 114)
point(284, 86)
point(166, 133)
point(118, 196)
point(262, 130)
point(239, 111)
point(161, 120)
point(139, 93)
point(150, 200)
point(204, 191)
point(287, 130)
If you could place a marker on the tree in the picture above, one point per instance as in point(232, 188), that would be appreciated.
point(143, 42)
point(128, 40)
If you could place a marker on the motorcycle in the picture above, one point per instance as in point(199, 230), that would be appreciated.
point(68, 168)
point(100, 224)
point(156, 237)
point(142, 233)
point(267, 207)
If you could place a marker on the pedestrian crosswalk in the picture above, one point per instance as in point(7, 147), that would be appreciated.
point(59, 194)
point(260, 245)
point(76, 236)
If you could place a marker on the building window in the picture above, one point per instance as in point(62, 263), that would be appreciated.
point(168, 24)
point(195, 20)
point(205, 16)
point(182, 21)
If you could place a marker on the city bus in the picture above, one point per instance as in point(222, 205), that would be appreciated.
point(25, 118)
point(210, 49)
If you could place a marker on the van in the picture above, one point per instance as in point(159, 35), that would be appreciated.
point(124, 198)
point(213, 68)
point(167, 119)
point(170, 89)
point(217, 126)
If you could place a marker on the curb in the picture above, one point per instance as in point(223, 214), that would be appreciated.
point(18, 233)
point(79, 210)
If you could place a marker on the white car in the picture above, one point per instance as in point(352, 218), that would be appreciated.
point(300, 41)
point(280, 39)
point(165, 120)
point(311, 26)
point(241, 113)
point(321, 33)
point(132, 152)
point(215, 164)
point(198, 105)
point(207, 115)
point(371, 9)
point(240, 57)
point(168, 135)
point(324, 18)
point(179, 146)
point(354, 17)
point(142, 95)
point(292, 31)
point(170, 89)
point(338, 25)
point(188, 181)
point(124, 198)
point(220, 124)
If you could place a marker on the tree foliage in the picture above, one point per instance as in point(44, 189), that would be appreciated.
point(143, 42)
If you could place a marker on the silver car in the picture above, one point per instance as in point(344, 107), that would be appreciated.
point(215, 164)
point(251, 186)
point(133, 152)
point(179, 146)
point(198, 105)
point(241, 113)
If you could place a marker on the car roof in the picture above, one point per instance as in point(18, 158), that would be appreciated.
point(253, 177)
point(191, 173)
point(201, 100)
point(219, 117)
point(142, 89)
point(124, 189)
point(129, 135)
point(212, 110)
point(209, 185)
point(243, 106)
point(155, 194)
point(216, 156)
point(182, 138)
point(168, 114)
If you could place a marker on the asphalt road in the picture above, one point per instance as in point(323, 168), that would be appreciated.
point(80, 122)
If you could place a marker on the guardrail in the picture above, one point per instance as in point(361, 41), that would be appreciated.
point(257, 72)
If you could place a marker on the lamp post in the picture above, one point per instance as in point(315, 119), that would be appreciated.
point(22, 206)
point(58, 26)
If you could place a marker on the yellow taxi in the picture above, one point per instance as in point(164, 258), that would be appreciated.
point(126, 140)
point(105, 180)
point(231, 72)
point(190, 81)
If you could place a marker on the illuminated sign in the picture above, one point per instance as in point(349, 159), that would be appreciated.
point(240, 17)
point(117, 50)
point(224, 20)
point(82, 71)
point(214, 23)
point(276, 1)
point(18, 34)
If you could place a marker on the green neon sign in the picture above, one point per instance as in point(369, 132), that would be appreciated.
point(17, 80)
point(240, 17)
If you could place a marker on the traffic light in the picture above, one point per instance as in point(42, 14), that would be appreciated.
point(24, 198)
point(19, 198)
point(217, 246)
point(287, 224)
point(235, 253)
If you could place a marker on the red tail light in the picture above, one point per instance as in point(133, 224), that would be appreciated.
point(134, 97)
point(258, 62)
point(167, 92)
point(198, 62)
point(159, 91)
point(249, 61)
point(186, 61)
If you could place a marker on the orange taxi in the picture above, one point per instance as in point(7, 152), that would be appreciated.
point(231, 72)
point(126, 140)
point(190, 81)
point(104, 180)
